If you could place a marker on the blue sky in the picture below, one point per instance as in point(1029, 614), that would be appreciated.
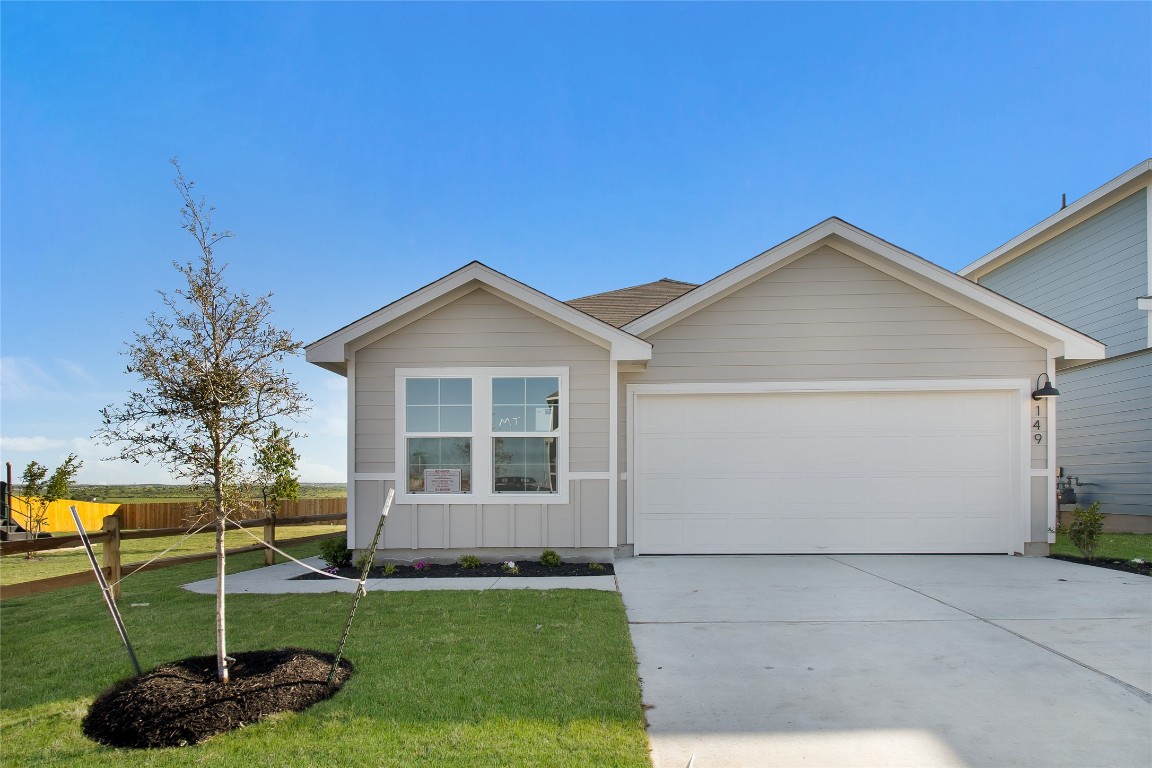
point(361, 150)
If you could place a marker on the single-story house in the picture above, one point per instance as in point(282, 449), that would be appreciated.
point(833, 394)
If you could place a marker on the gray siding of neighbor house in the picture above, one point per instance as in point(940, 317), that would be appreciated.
point(482, 330)
point(1089, 277)
point(1105, 432)
point(827, 317)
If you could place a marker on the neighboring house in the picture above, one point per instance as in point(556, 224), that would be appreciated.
point(1088, 267)
point(833, 394)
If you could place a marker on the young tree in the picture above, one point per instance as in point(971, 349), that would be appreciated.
point(275, 462)
point(211, 383)
point(39, 494)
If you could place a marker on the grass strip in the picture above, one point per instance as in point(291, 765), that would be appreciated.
point(452, 678)
point(1112, 546)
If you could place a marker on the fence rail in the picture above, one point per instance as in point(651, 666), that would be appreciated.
point(111, 534)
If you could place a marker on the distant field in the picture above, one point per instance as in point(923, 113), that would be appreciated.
point(143, 494)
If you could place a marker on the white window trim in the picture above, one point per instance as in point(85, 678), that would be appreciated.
point(481, 437)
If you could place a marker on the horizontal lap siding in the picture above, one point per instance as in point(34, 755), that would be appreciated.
point(487, 332)
point(1105, 437)
point(482, 330)
point(828, 317)
point(794, 325)
point(1089, 277)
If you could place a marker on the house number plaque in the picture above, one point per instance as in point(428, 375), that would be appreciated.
point(1038, 421)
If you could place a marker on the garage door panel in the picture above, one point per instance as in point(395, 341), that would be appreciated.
point(818, 472)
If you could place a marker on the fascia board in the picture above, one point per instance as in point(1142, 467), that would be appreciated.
point(335, 348)
point(970, 297)
point(1090, 204)
point(720, 286)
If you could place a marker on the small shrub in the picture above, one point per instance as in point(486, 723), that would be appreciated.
point(335, 552)
point(595, 567)
point(389, 569)
point(364, 561)
point(509, 567)
point(421, 565)
point(550, 558)
point(1085, 528)
point(468, 561)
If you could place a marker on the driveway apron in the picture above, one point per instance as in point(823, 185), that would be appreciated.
point(856, 661)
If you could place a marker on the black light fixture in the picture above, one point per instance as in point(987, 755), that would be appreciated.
point(1045, 391)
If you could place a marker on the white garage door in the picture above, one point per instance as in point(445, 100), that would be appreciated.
point(824, 472)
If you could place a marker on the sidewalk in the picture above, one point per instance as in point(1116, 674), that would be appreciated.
point(277, 580)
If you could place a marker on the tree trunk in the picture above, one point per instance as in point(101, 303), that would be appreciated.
point(221, 637)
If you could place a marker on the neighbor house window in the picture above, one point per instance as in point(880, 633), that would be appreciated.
point(488, 433)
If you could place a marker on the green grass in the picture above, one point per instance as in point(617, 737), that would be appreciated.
point(1113, 546)
point(496, 678)
point(145, 493)
point(17, 569)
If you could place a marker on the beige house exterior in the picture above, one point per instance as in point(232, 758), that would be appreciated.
point(833, 394)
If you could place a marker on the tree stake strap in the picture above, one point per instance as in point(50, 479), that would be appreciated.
point(108, 599)
point(360, 592)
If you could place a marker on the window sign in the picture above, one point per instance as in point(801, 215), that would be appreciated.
point(442, 481)
point(544, 419)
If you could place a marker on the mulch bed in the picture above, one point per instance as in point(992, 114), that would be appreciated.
point(1144, 569)
point(182, 703)
point(484, 570)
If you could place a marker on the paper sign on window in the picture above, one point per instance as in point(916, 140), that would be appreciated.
point(544, 419)
point(442, 481)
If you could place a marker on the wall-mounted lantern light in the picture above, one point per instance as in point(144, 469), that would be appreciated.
point(1045, 391)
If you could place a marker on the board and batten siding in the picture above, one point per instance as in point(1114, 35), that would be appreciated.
point(1105, 438)
point(1089, 277)
point(478, 330)
point(829, 317)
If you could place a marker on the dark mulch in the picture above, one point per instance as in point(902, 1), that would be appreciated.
point(455, 571)
point(1144, 569)
point(182, 703)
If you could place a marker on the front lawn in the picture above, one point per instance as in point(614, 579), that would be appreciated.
point(495, 678)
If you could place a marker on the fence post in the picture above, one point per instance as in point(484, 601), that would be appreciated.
point(112, 553)
point(270, 538)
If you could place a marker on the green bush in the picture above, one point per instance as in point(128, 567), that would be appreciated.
point(1085, 528)
point(550, 558)
point(468, 561)
point(595, 567)
point(389, 569)
point(364, 561)
point(335, 552)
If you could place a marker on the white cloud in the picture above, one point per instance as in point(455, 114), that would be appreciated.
point(34, 444)
point(21, 378)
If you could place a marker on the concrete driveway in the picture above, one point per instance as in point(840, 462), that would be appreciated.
point(862, 660)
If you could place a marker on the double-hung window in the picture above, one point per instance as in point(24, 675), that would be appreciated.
point(488, 435)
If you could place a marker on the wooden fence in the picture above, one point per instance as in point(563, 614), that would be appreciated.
point(112, 533)
point(176, 514)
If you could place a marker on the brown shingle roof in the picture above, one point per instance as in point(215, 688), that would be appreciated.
point(621, 307)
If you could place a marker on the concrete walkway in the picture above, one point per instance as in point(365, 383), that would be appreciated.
point(859, 661)
point(277, 580)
